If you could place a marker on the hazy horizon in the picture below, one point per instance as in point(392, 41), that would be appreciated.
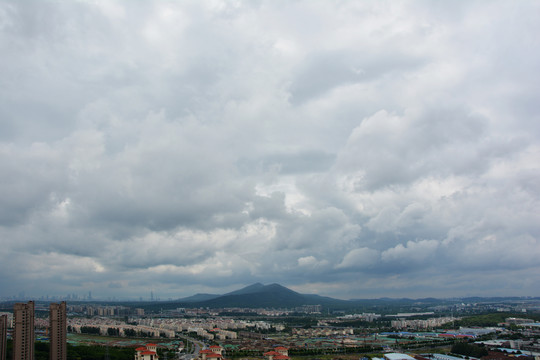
point(349, 149)
point(151, 297)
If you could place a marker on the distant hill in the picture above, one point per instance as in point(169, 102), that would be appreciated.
point(259, 295)
point(257, 287)
point(198, 297)
point(277, 296)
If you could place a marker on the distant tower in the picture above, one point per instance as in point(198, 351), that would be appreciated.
point(151, 295)
point(3, 336)
point(23, 332)
point(58, 331)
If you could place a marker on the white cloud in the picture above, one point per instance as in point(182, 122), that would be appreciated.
point(413, 252)
point(361, 258)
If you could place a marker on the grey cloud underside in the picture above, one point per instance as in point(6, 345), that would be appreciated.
point(325, 71)
point(358, 150)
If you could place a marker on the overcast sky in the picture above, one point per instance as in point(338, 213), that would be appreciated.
point(354, 149)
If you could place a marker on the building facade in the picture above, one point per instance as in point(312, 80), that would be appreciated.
point(58, 331)
point(148, 352)
point(23, 332)
point(3, 336)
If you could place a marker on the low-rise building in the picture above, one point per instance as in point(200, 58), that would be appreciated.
point(148, 352)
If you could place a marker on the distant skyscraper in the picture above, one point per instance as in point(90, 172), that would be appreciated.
point(58, 331)
point(3, 336)
point(23, 332)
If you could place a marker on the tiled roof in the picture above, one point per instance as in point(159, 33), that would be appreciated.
point(281, 357)
point(213, 355)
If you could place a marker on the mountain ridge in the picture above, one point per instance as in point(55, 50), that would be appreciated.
point(275, 295)
point(258, 295)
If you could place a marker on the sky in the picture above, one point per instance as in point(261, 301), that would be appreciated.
point(353, 149)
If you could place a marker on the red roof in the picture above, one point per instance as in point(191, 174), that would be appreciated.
point(273, 353)
point(215, 346)
point(148, 352)
point(446, 335)
point(281, 348)
point(206, 351)
point(213, 355)
point(281, 357)
point(142, 348)
point(151, 345)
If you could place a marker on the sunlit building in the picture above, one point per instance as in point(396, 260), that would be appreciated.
point(214, 353)
point(279, 353)
point(148, 352)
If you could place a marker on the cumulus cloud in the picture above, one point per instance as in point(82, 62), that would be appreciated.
point(360, 258)
point(199, 147)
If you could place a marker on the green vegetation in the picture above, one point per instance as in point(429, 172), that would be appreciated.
point(81, 352)
point(306, 351)
point(491, 319)
point(89, 330)
point(299, 321)
point(113, 332)
point(337, 350)
point(89, 352)
point(378, 324)
point(463, 348)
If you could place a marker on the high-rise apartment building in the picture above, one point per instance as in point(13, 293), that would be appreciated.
point(23, 332)
point(58, 331)
point(3, 336)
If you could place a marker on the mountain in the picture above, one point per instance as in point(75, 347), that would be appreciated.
point(258, 295)
point(277, 296)
point(247, 290)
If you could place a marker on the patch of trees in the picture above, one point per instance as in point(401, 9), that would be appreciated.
point(136, 333)
point(238, 314)
point(339, 350)
point(92, 352)
point(113, 332)
point(244, 353)
point(303, 321)
point(80, 352)
point(491, 319)
point(463, 348)
point(143, 334)
point(89, 330)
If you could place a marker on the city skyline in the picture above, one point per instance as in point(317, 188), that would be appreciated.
point(349, 149)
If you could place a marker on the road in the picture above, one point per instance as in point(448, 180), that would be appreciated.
point(197, 346)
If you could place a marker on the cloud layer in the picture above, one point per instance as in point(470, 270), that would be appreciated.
point(355, 149)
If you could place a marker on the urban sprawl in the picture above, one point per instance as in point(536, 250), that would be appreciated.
point(309, 332)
